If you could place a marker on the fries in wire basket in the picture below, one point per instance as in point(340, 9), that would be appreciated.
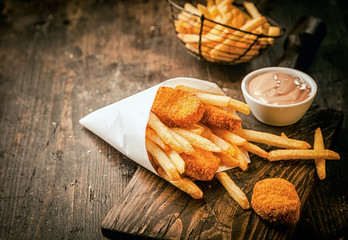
point(221, 32)
point(191, 133)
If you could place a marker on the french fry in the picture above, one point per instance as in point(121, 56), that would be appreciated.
point(243, 162)
point(220, 143)
point(231, 150)
point(203, 10)
point(213, 99)
point(197, 140)
point(218, 32)
point(215, 35)
point(319, 145)
point(190, 8)
point(271, 139)
point(185, 16)
point(162, 159)
point(239, 106)
point(210, 3)
point(185, 145)
point(245, 15)
point(188, 38)
point(290, 154)
point(196, 128)
point(222, 101)
point(265, 28)
point(255, 149)
point(163, 132)
point(228, 160)
point(226, 147)
point(273, 31)
point(245, 154)
point(206, 40)
point(195, 48)
point(188, 89)
point(239, 20)
point(184, 184)
point(152, 135)
point(207, 131)
point(226, 2)
point(227, 17)
point(235, 11)
point(189, 22)
point(177, 161)
point(237, 35)
point(252, 10)
point(228, 136)
point(233, 190)
point(213, 11)
point(181, 27)
point(224, 8)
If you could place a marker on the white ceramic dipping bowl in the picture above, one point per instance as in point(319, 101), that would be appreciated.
point(278, 115)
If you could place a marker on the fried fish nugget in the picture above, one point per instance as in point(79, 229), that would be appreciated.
point(221, 118)
point(276, 201)
point(177, 108)
point(201, 165)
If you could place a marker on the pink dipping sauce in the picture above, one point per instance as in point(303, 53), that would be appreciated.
point(279, 88)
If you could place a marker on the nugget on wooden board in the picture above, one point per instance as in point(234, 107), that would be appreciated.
point(276, 201)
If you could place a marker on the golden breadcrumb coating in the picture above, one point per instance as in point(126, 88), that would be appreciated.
point(202, 165)
point(177, 108)
point(276, 201)
point(218, 117)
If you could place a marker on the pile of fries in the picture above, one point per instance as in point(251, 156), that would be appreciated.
point(166, 145)
point(221, 32)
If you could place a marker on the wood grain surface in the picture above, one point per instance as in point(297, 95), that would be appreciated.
point(60, 60)
point(150, 207)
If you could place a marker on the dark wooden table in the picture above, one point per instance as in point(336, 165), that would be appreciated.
point(60, 60)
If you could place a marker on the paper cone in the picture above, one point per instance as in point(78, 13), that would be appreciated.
point(123, 123)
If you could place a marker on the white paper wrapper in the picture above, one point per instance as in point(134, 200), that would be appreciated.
point(123, 123)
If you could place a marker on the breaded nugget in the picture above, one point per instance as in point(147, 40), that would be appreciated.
point(201, 165)
point(276, 201)
point(177, 108)
point(218, 117)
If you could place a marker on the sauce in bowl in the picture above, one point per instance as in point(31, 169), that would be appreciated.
point(279, 88)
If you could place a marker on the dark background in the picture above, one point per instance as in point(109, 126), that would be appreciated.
point(60, 60)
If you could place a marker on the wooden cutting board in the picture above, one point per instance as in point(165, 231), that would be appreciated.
point(151, 207)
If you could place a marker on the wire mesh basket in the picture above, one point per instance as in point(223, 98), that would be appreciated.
point(236, 36)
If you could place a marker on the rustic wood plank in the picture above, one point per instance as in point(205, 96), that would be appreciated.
point(150, 207)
